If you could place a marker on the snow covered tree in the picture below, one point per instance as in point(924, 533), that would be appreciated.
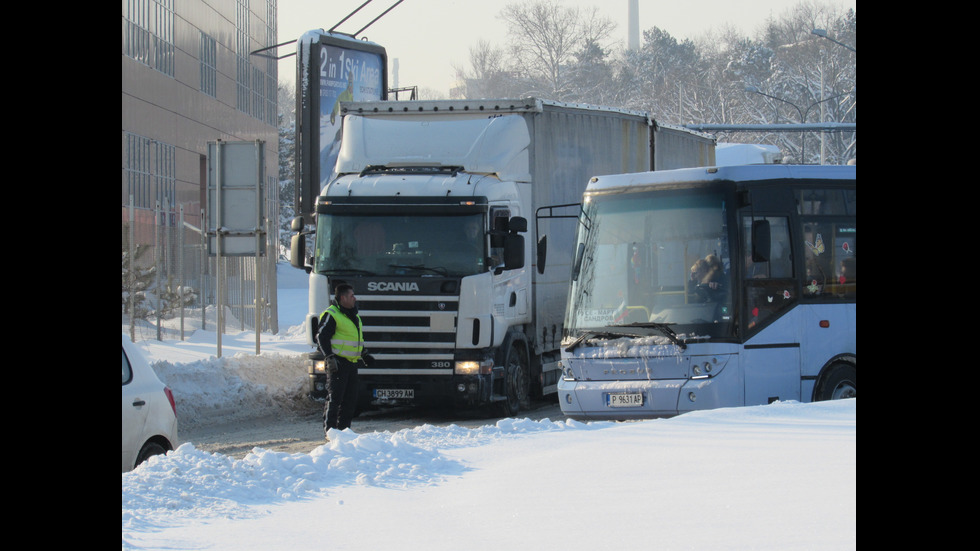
point(136, 278)
point(545, 39)
point(287, 165)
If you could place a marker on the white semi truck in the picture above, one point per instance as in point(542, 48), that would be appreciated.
point(427, 218)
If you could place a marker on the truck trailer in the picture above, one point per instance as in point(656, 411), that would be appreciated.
point(427, 218)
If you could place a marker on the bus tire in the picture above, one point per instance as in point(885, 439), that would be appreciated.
point(517, 379)
point(838, 383)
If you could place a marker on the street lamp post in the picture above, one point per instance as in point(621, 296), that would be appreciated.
point(823, 34)
point(798, 110)
point(803, 115)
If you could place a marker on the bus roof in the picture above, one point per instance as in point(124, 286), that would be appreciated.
point(740, 173)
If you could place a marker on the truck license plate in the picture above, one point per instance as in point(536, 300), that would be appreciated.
point(393, 393)
point(624, 400)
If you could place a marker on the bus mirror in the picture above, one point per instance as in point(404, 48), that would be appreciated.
point(297, 224)
point(542, 252)
point(517, 224)
point(579, 254)
point(760, 241)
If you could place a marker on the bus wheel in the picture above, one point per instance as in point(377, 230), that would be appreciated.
point(840, 382)
point(517, 381)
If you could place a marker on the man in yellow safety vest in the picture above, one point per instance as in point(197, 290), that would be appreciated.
point(341, 336)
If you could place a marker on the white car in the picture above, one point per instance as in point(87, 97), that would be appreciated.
point(149, 414)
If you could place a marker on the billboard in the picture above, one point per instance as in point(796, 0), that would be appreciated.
point(330, 68)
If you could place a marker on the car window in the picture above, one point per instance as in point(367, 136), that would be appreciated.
point(127, 370)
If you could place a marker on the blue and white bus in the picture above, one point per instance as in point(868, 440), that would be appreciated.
point(711, 287)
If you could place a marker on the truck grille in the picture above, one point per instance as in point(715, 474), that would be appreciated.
point(409, 333)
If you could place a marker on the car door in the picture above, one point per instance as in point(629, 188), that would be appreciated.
point(133, 415)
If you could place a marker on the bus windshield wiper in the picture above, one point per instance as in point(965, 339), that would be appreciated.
point(596, 333)
point(611, 332)
point(663, 327)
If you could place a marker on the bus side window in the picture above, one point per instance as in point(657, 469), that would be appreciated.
point(845, 258)
point(769, 286)
point(780, 261)
point(831, 264)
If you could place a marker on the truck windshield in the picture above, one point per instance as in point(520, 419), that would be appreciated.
point(448, 245)
point(652, 258)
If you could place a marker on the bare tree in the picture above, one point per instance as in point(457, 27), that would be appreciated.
point(489, 76)
point(545, 38)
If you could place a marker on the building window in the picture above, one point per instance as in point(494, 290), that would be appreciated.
point(243, 72)
point(209, 64)
point(149, 172)
point(272, 66)
point(256, 90)
point(258, 99)
point(136, 170)
point(148, 33)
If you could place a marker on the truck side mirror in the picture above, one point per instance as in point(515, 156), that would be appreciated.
point(513, 251)
point(513, 244)
point(297, 245)
point(297, 251)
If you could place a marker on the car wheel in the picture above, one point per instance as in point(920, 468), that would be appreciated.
point(149, 449)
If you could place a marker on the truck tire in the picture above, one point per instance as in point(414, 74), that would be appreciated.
point(517, 379)
point(839, 382)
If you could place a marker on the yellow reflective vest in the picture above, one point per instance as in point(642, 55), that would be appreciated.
point(347, 340)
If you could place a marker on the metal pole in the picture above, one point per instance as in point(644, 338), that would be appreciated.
point(180, 271)
point(202, 298)
point(217, 243)
point(156, 254)
point(258, 244)
point(132, 267)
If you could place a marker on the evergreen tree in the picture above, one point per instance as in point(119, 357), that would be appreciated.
point(287, 165)
point(136, 278)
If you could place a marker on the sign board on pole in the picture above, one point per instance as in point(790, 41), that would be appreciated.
point(235, 209)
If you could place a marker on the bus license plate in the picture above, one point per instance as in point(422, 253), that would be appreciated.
point(394, 393)
point(624, 400)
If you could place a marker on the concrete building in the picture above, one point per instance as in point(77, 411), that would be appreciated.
point(189, 77)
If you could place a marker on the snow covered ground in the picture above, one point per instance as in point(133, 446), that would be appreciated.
point(782, 476)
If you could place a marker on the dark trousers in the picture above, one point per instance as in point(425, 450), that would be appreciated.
point(338, 411)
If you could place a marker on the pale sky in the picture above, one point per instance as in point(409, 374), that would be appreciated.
point(429, 37)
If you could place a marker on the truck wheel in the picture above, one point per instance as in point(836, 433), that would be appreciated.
point(517, 380)
point(840, 382)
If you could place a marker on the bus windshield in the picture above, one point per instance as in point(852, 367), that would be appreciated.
point(650, 258)
point(418, 244)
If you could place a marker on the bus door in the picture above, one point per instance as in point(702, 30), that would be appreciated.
point(770, 357)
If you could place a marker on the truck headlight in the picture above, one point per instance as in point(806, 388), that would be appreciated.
point(472, 367)
point(319, 366)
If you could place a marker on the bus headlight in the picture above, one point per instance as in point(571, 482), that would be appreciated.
point(703, 371)
point(320, 366)
point(567, 373)
point(472, 367)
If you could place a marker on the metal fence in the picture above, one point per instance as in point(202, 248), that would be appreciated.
point(171, 285)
